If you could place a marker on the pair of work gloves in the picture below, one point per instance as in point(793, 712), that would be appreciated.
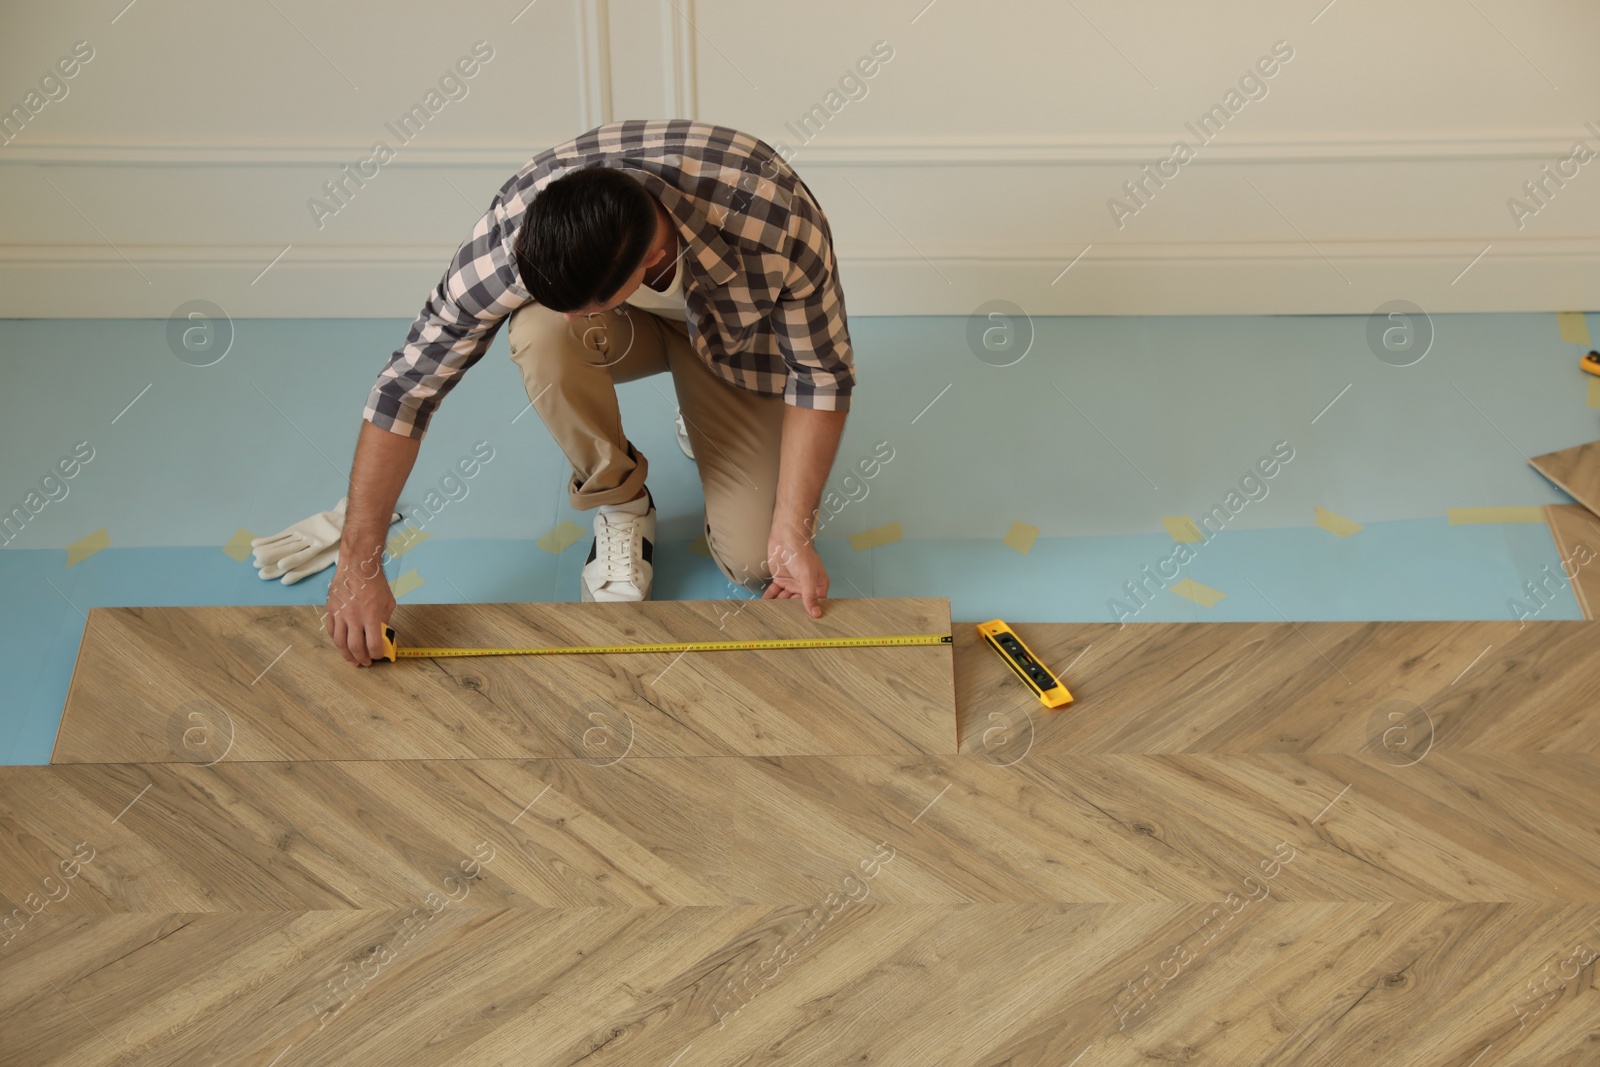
point(309, 546)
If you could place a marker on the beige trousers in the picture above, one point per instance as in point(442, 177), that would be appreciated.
point(571, 370)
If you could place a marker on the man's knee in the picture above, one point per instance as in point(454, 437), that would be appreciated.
point(599, 340)
point(743, 562)
point(537, 328)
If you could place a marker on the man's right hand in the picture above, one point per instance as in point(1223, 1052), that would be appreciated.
point(358, 608)
point(360, 600)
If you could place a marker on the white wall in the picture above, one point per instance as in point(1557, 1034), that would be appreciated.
point(977, 166)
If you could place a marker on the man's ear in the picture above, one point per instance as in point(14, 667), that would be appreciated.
point(655, 256)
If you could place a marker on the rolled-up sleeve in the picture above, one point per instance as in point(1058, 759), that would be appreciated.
point(456, 326)
point(812, 330)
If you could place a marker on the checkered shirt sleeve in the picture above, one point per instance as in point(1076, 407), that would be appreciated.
point(810, 324)
point(454, 329)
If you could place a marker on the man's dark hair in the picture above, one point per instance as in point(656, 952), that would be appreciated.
point(582, 236)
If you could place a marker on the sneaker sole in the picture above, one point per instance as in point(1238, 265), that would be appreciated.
point(587, 597)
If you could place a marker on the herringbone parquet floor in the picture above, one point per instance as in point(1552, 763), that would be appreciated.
point(1244, 844)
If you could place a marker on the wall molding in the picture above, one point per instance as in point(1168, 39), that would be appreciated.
point(1547, 145)
point(262, 155)
point(1243, 278)
point(595, 100)
point(436, 255)
point(678, 59)
point(594, 69)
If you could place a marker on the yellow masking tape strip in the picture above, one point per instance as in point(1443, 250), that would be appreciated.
point(1594, 392)
point(566, 534)
point(879, 535)
point(1021, 537)
point(1203, 595)
point(406, 583)
point(699, 547)
point(1337, 524)
point(1574, 327)
point(1465, 516)
point(85, 547)
point(1182, 528)
point(405, 541)
point(238, 546)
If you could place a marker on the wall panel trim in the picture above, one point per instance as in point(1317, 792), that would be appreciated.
point(1262, 278)
point(678, 58)
point(594, 69)
point(1544, 146)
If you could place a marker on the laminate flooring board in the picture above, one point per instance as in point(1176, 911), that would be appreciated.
point(1576, 471)
point(1576, 532)
point(1160, 687)
point(1278, 983)
point(767, 831)
point(200, 684)
point(1399, 689)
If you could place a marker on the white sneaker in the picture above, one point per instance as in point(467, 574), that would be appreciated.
point(683, 437)
point(619, 568)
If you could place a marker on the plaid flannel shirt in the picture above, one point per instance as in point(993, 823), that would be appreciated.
point(765, 311)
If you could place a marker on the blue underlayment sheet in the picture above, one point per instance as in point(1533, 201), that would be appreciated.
point(1138, 469)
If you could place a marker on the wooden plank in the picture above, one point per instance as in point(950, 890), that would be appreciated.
point(1398, 689)
point(739, 830)
point(205, 684)
point(1576, 471)
point(1021, 985)
point(1576, 532)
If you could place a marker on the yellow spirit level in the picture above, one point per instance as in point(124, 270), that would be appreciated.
point(392, 651)
point(1591, 363)
point(1021, 659)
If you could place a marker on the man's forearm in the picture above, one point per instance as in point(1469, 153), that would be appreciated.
point(810, 442)
point(382, 464)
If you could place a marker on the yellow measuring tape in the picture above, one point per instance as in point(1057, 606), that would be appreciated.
point(393, 651)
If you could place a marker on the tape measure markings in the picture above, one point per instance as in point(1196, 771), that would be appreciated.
point(901, 640)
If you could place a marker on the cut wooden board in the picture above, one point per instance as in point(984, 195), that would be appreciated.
point(1576, 532)
point(1576, 471)
point(205, 684)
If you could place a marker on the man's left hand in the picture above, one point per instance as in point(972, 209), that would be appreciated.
point(797, 574)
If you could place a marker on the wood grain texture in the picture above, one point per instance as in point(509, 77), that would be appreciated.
point(1398, 688)
point(733, 831)
point(1576, 532)
point(264, 683)
point(1576, 471)
point(631, 908)
point(1007, 985)
point(1284, 844)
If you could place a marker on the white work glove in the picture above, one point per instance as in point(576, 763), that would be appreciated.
point(309, 546)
